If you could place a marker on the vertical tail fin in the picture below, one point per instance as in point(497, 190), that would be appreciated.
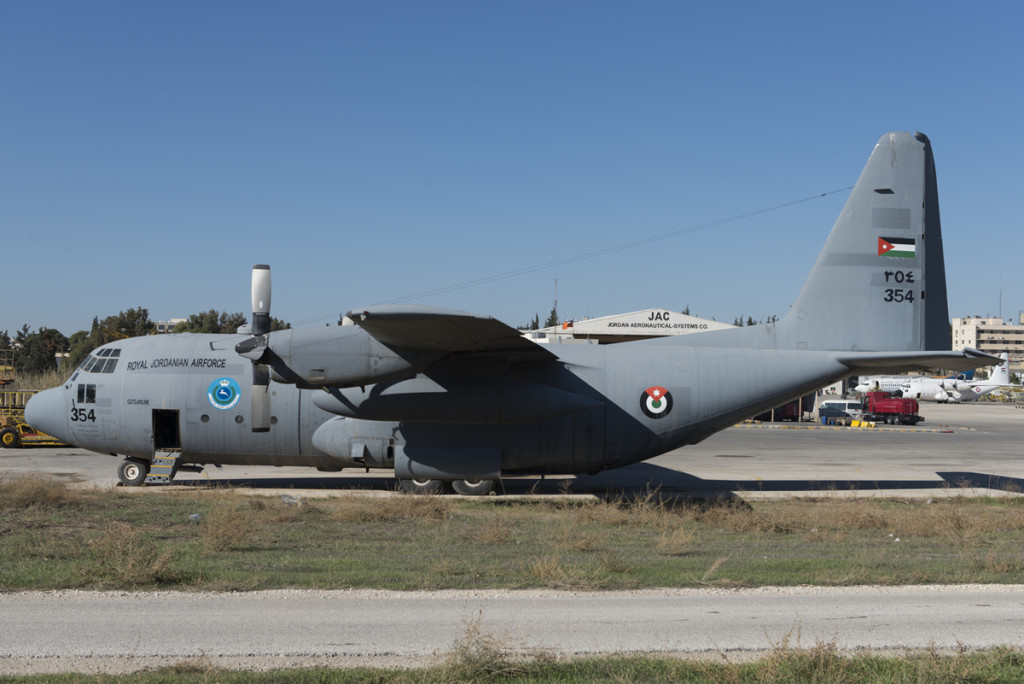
point(879, 283)
point(1001, 374)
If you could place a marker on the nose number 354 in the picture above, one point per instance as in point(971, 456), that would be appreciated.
point(81, 415)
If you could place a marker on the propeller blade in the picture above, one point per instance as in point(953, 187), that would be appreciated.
point(260, 299)
point(260, 398)
point(255, 347)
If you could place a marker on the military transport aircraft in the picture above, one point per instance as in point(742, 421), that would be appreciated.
point(451, 398)
point(952, 390)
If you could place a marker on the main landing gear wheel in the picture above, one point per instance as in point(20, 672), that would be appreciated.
point(132, 473)
point(10, 438)
point(422, 486)
point(473, 487)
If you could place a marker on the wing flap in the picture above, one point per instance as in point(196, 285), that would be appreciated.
point(435, 329)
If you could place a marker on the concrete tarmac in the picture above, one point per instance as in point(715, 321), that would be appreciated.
point(960, 448)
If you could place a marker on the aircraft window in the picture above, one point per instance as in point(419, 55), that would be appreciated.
point(115, 352)
point(108, 366)
point(86, 394)
point(87, 366)
point(103, 353)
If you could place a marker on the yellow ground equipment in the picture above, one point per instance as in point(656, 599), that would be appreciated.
point(14, 431)
point(6, 367)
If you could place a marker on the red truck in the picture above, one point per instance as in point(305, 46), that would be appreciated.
point(882, 407)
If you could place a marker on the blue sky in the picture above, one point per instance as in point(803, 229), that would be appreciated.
point(373, 151)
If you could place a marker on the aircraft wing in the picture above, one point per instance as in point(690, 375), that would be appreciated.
point(446, 330)
point(869, 363)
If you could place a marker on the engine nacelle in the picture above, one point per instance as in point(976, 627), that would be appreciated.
point(339, 356)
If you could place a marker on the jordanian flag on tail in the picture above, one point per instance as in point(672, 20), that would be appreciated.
point(897, 247)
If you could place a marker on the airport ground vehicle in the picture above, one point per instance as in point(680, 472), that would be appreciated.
point(882, 407)
point(23, 434)
point(851, 407)
point(833, 416)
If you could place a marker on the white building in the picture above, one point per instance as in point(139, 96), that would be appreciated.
point(637, 325)
point(991, 335)
point(168, 326)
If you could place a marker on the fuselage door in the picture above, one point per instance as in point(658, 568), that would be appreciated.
point(166, 430)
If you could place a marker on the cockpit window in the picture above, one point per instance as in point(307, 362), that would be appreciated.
point(104, 361)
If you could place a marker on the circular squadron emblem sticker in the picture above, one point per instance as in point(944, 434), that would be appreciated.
point(224, 393)
point(656, 402)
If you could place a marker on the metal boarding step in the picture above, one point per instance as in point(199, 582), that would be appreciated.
point(161, 470)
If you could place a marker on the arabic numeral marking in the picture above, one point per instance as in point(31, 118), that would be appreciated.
point(897, 295)
point(81, 415)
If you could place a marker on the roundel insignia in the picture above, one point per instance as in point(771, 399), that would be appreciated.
point(223, 393)
point(656, 402)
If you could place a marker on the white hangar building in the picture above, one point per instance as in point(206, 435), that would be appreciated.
point(638, 325)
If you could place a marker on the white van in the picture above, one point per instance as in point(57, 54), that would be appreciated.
point(851, 406)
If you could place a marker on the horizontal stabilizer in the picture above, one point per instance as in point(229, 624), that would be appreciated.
point(872, 363)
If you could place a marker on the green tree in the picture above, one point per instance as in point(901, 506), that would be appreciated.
point(552, 318)
point(133, 322)
point(221, 322)
point(36, 353)
point(130, 323)
point(532, 325)
point(212, 321)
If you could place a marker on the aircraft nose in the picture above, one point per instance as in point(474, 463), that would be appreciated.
point(47, 412)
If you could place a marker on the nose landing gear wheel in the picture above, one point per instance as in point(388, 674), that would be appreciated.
point(473, 487)
point(132, 473)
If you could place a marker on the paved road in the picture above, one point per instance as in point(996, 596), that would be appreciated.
point(122, 631)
